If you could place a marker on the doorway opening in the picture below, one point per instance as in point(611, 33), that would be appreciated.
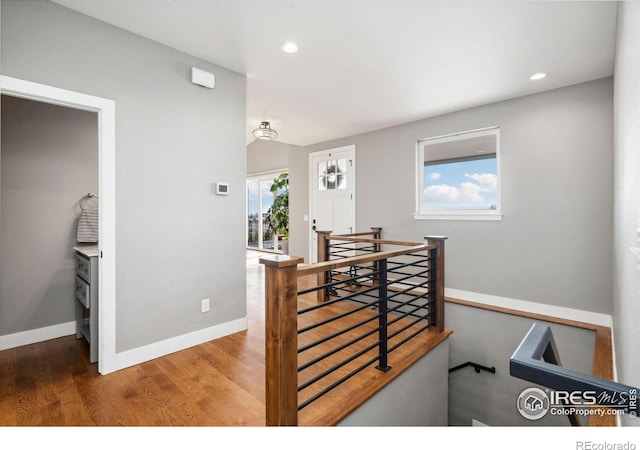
point(49, 163)
point(260, 234)
point(105, 112)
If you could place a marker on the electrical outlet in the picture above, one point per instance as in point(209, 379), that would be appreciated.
point(204, 305)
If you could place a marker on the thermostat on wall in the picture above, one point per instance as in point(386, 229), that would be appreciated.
point(222, 188)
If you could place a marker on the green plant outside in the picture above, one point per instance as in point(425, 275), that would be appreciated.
point(278, 213)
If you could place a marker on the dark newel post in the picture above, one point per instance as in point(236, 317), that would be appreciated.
point(437, 256)
point(281, 339)
point(323, 255)
point(377, 234)
point(382, 318)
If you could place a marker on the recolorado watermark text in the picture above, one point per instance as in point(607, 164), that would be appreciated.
point(590, 445)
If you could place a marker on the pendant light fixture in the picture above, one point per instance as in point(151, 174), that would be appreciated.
point(265, 132)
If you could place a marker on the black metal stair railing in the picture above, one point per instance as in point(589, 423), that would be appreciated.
point(477, 367)
point(374, 308)
point(537, 360)
point(362, 311)
point(354, 245)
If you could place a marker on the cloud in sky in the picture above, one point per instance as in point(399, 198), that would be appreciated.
point(435, 176)
point(488, 181)
point(466, 193)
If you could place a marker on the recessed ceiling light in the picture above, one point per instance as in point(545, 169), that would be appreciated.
point(289, 47)
point(538, 76)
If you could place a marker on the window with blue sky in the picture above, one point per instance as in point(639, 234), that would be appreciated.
point(459, 174)
point(461, 185)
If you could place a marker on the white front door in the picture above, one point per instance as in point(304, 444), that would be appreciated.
point(332, 175)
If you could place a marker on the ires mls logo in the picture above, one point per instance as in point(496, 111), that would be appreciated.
point(534, 403)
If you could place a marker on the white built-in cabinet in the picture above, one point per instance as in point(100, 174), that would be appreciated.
point(86, 295)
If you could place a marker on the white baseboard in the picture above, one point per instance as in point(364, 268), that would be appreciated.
point(561, 312)
point(152, 351)
point(38, 335)
point(131, 357)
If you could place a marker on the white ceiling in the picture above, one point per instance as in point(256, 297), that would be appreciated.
point(370, 64)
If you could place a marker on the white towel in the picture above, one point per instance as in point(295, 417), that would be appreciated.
point(88, 226)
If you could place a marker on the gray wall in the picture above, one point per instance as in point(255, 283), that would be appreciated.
point(176, 242)
point(626, 305)
point(553, 245)
point(267, 156)
point(49, 162)
point(418, 397)
point(490, 338)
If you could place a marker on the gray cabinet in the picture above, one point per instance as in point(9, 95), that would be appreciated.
point(86, 298)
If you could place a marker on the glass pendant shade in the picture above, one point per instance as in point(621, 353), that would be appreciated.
point(265, 132)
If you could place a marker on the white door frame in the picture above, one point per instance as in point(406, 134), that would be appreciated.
point(105, 110)
point(311, 187)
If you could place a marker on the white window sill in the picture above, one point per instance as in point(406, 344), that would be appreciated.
point(458, 215)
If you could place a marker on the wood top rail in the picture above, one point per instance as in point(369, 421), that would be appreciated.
point(364, 233)
point(354, 260)
point(348, 238)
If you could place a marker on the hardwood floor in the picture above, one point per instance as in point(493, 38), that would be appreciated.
point(218, 383)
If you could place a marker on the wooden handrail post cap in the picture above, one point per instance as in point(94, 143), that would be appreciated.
point(436, 238)
point(279, 261)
